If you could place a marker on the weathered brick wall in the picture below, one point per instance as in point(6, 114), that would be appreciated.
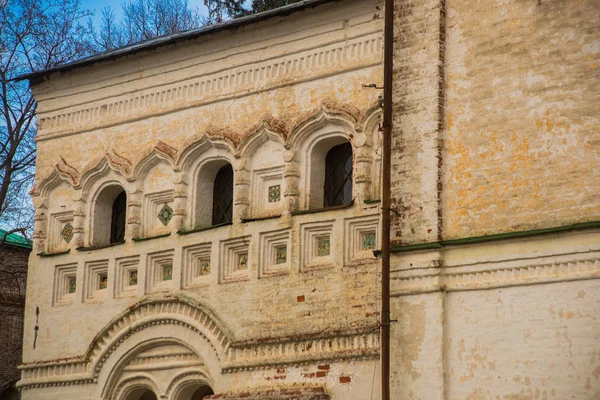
point(13, 276)
point(522, 126)
point(495, 117)
point(416, 146)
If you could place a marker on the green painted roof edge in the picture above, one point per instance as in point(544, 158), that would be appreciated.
point(14, 239)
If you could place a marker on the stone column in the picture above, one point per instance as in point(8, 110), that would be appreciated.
point(241, 194)
point(79, 214)
point(179, 204)
point(363, 160)
point(134, 215)
point(40, 228)
point(291, 176)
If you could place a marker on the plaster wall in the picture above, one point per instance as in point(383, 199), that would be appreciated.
point(513, 319)
point(264, 98)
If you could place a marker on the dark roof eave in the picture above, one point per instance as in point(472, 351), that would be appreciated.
point(175, 37)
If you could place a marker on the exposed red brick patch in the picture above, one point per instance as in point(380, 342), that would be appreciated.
point(321, 374)
point(345, 379)
point(324, 367)
point(300, 299)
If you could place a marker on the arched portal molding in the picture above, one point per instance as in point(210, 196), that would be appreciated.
point(169, 310)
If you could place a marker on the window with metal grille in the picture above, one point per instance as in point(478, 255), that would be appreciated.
point(223, 196)
point(118, 220)
point(338, 176)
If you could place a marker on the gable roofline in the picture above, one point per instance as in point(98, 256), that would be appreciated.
point(176, 37)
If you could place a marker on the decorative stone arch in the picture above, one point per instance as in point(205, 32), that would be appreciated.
point(158, 154)
point(126, 387)
point(152, 323)
point(199, 164)
point(185, 382)
point(308, 146)
point(257, 137)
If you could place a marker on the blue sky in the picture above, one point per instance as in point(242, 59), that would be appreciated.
point(98, 5)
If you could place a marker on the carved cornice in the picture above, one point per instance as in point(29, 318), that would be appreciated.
point(350, 54)
point(488, 274)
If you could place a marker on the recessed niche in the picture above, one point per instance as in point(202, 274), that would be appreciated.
point(65, 284)
point(159, 272)
point(275, 252)
point(317, 249)
point(196, 265)
point(96, 280)
point(267, 191)
point(234, 260)
point(61, 231)
point(158, 212)
point(126, 276)
point(361, 237)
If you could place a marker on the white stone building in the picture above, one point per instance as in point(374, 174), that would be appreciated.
point(208, 209)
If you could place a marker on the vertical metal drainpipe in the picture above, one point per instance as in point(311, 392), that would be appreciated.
point(385, 199)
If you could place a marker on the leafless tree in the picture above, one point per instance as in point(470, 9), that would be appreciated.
point(34, 35)
point(143, 20)
point(219, 10)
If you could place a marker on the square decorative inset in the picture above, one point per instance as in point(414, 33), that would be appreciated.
point(323, 246)
point(316, 250)
point(204, 268)
point(196, 265)
point(234, 259)
point(126, 276)
point(133, 277)
point(369, 241)
point(65, 284)
point(157, 212)
point(72, 284)
point(67, 232)
point(242, 261)
point(103, 282)
point(96, 280)
point(274, 256)
point(167, 272)
point(266, 193)
point(274, 193)
point(280, 255)
point(165, 214)
point(159, 272)
point(360, 239)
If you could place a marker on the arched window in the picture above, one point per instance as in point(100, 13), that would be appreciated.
point(109, 216)
point(117, 221)
point(338, 176)
point(223, 196)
